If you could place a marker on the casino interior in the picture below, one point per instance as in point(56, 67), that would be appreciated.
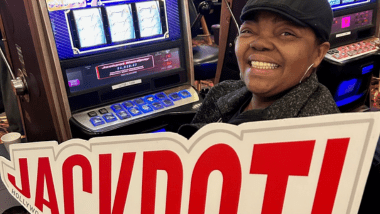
point(90, 68)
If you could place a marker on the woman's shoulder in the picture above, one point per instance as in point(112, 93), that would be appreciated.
point(321, 102)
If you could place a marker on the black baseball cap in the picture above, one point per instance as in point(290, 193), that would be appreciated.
point(316, 14)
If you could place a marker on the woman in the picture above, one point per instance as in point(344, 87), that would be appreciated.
point(279, 47)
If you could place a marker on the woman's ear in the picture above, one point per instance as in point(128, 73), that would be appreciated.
point(321, 52)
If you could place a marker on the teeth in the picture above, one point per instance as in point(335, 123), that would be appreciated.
point(263, 65)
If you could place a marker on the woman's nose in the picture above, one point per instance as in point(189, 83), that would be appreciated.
point(261, 44)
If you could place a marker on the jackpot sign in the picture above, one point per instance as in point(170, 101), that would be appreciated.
point(304, 165)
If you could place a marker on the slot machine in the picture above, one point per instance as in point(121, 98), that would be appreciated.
point(353, 57)
point(101, 67)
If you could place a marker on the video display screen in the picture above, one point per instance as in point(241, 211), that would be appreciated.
point(118, 72)
point(89, 25)
point(347, 1)
point(148, 14)
point(335, 4)
point(120, 21)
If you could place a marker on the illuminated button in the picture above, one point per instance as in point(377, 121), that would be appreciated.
point(174, 96)
point(184, 94)
point(167, 102)
point(150, 99)
point(123, 115)
point(103, 111)
point(116, 107)
point(157, 105)
point(97, 121)
point(92, 114)
point(336, 56)
point(146, 108)
point(134, 111)
point(350, 53)
point(128, 104)
point(109, 117)
point(161, 96)
point(139, 101)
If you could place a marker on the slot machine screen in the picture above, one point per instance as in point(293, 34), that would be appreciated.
point(89, 25)
point(120, 20)
point(148, 14)
point(339, 4)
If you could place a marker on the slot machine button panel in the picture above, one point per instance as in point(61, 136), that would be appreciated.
point(126, 111)
point(347, 52)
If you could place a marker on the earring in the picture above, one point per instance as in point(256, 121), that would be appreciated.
point(306, 72)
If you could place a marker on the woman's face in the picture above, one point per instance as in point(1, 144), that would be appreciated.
point(273, 53)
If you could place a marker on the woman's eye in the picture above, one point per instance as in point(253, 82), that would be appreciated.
point(245, 31)
point(287, 34)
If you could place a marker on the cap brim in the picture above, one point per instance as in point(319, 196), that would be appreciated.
point(245, 16)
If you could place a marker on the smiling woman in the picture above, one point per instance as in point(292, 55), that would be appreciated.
point(279, 47)
point(273, 54)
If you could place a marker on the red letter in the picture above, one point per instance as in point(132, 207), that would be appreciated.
point(223, 158)
point(44, 172)
point(24, 175)
point(68, 183)
point(331, 171)
point(279, 161)
point(170, 162)
point(122, 185)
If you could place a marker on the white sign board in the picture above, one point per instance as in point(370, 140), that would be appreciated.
point(303, 165)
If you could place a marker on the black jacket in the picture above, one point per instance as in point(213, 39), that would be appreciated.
point(310, 98)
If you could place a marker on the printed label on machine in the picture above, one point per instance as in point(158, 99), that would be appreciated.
point(299, 165)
